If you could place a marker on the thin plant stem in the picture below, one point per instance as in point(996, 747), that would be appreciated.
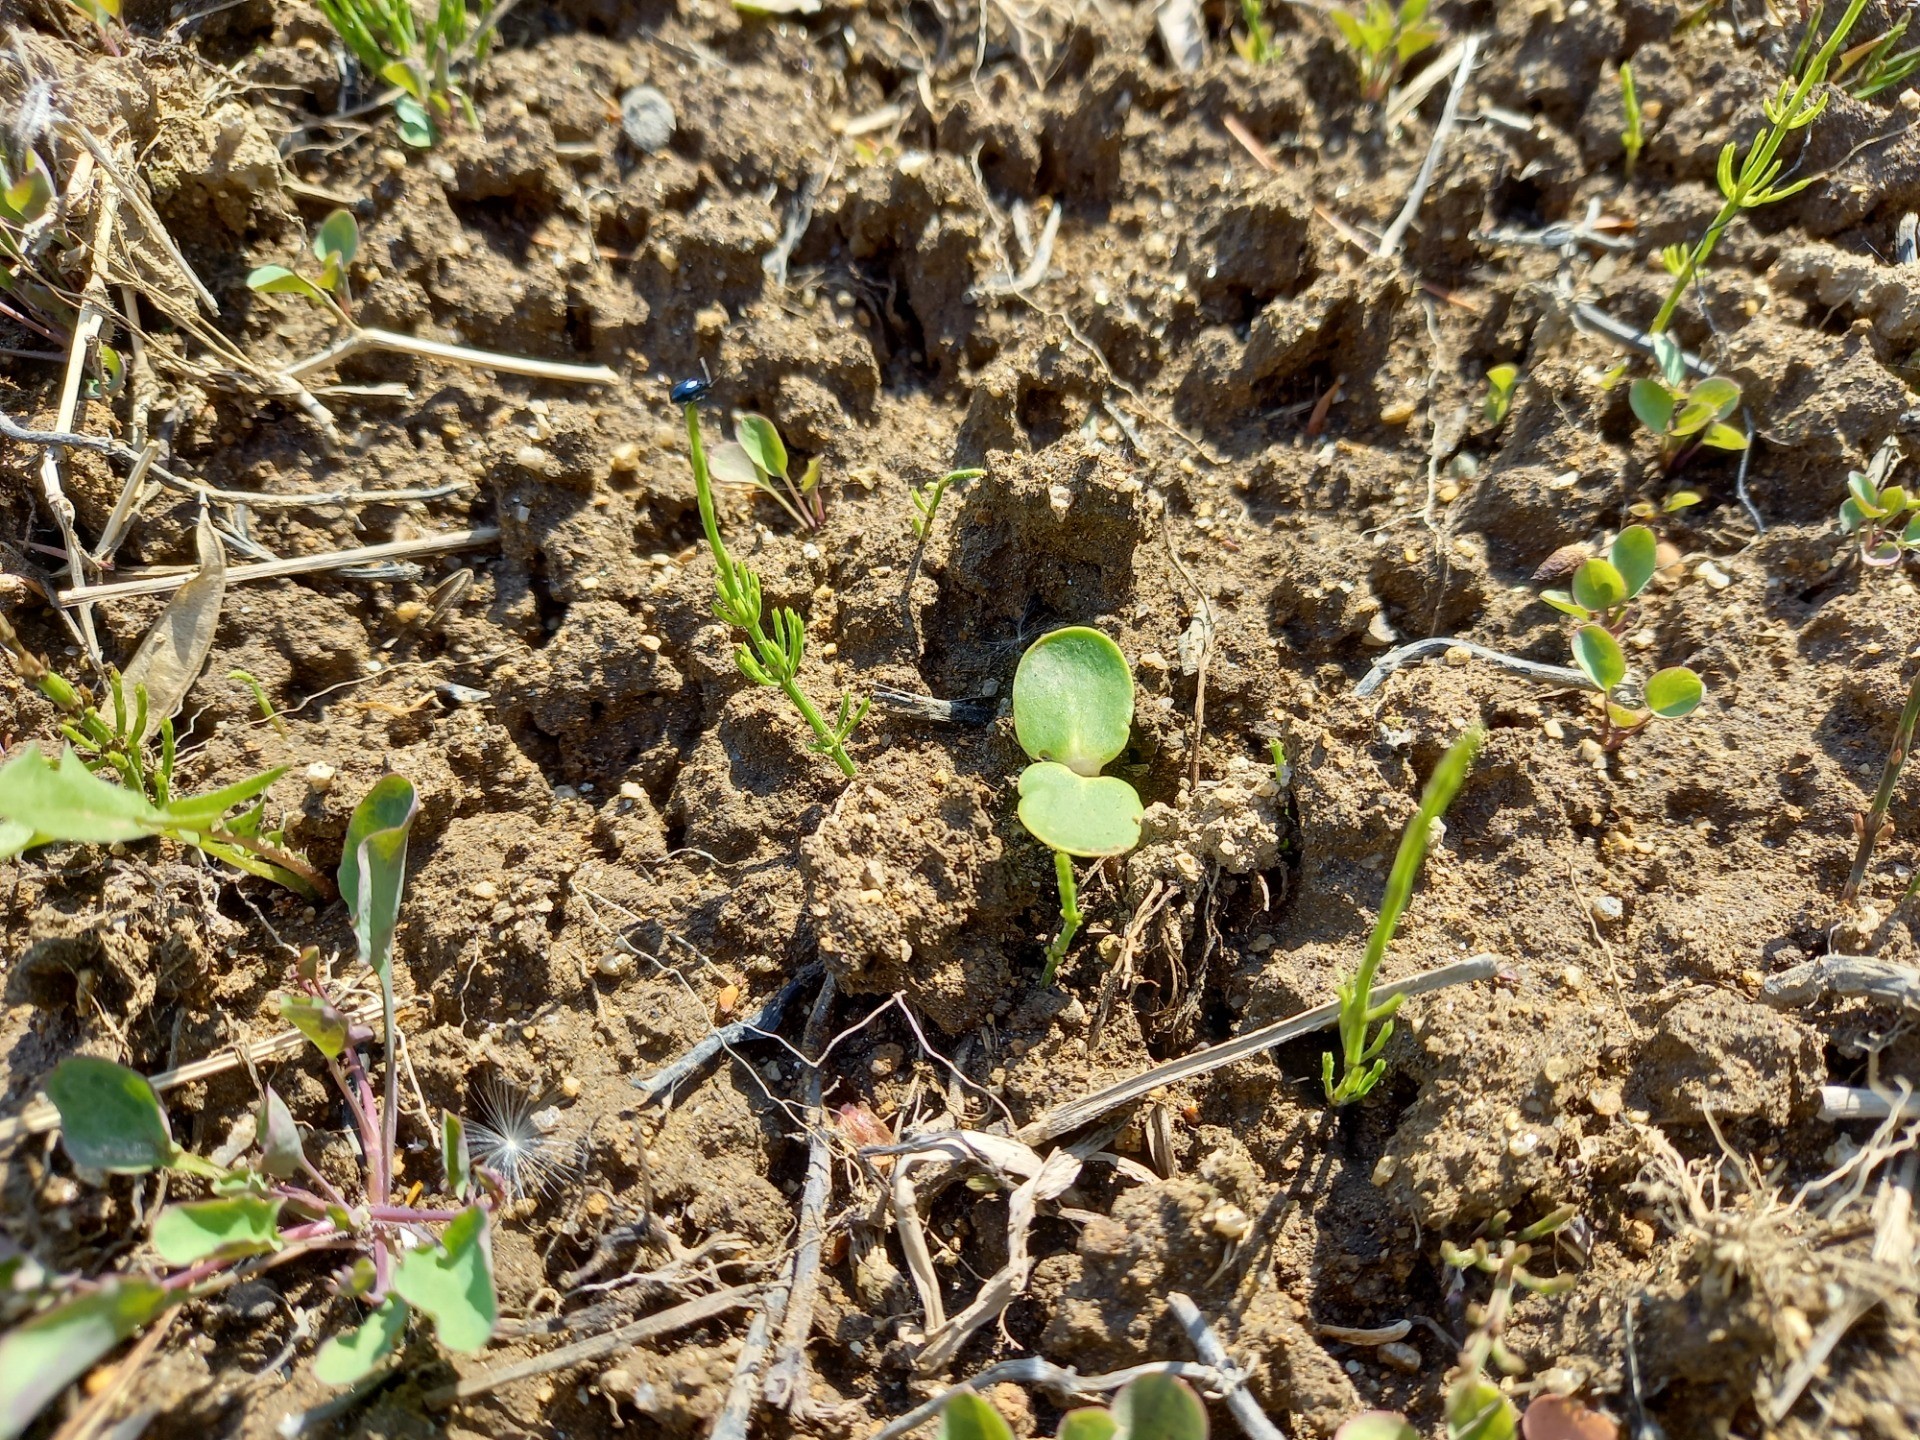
point(1070, 916)
point(1362, 1065)
point(1876, 815)
point(390, 1116)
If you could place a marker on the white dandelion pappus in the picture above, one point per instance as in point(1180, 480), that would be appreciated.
point(511, 1136)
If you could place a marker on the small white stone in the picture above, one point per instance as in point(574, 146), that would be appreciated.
point(320, 777)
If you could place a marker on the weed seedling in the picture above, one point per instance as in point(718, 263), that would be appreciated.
point(1675, 502)
point(926, 500)
point(1755, 180)
point(421, 64)
point(755, 456)
point(1502, 381)
point(277, 1206)
point(1361, 1065)
point(1476, 1407)
point(335, 244)
point(43, 800)
point(1870, 68)
point(765, 659)
point(1685, 419)
point(1873, 827)
point(1254, 43)
point(1149, 1407)
point(1632, 134)
point(1072, 713)
point(1384, 39)
point(259, 692)
point(1877, 512)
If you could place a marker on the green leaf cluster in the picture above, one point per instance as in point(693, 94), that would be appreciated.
point(1874, 67)
point(757, 456)
point(1150, 1407)
point(1383, 39)
point(335, 244)
point(1885, 517)
point(1502, 381)
point(1361, 1064)
point(421, 64)
point(926, 500)
point(765, 659)
point(1254, 43)
point(1681, 417)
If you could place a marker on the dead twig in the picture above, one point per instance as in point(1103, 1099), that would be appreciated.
point(1240, 1401)
point(1065, 1119)
point(1414, 650)
point(372, 338)
point(1881, 980)
point(662, 1083)
point(788, 1386)
point(1199, 662)
point(1449, 117)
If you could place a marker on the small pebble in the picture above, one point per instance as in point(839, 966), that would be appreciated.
point(320, 777)
point(1604, 1102)
point(1607, 907)
point(647, 119)
point(1716, 578)
point(1399, 1355)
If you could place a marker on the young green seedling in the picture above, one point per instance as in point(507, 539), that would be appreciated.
point(335, 244)
point(1878, 68)
point(1685, 419)
point(1477, 1409)
point(278, 1206)
point(1873, 827)
point(1384, 39)
point(755, 456)
point(926, 500)
point(765, 659)
point(1675, 502)
point(1254, 44)
point(1604, 590)
point(1502, 381)
point(1073, 713)
point(1755, 180)
point(1149, 1407)
point(1361, 1063)
point(1885, 517)
point(1633, 136)
point(421, 65)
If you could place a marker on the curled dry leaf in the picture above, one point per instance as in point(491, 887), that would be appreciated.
point(1562, 563)
point(170, 659)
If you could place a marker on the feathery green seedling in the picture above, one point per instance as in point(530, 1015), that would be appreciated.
point(267, 712)
point(766, 659)
point(43, 801)
point(1878, 67)
point(277, 1206)
point(1684, 419)
point(1149, 1407)
point(431, 68)
point(1755, 179)
point(1502, 381)
point(1633, 136)
point(1073, 713)
point(1873, 827)
point(926, 500)
point(755, 456)
point(1878, 512)
point(1477, 1409)
point(1254, 43)
point(1384, 39)
point(1361, 1063)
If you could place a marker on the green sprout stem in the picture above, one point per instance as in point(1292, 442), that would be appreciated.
point(1875, 818)
point(1070, 916)
point(766, 660)
point(1362, 1063)
point(1754, 184)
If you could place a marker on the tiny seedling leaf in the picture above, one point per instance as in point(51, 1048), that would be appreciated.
point(1864, 495)
point(413, 122)
point(1566, 604)
point(1692, 419)
point(1073, 699)
point(452, 1283)
point(1718, 393)
point(203, 812)
point(1724, 437)
point(1671, 359)
point(1598, 655)
point(729, 463)
point(1084, 815)
point(42, 1357)
point(314, 1018)
point(110, 1117)
point(1476, 1410)
point(373, 865)
point(170, 659)
point(1852, 517)
point(1653, 403)
point(347, 1358)
point(762, 443)
point(337, 239)
point(279, 280)
point(966, 1416)
point(223, 1229)
point(1159, 1407)
point(454, 1157)
point(1634, 555)
point(281, 1154)
point(1674, 692)
point(1089, 1423)
point(1598, 585)
point(66, 801)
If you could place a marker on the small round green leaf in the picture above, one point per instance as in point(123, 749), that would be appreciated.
point(1476, 1410)
point(1088, 1423)
point(279, 280)
point(1084, 815)
point(223, 1229)
point(452, 1283)
point(1724, 437)
point(1653, 403)
point(1674, 692)
point(1894, 499)
point(347, 1358)
point(1719, 394)
point(762, 443)
point(1625, 717)
point(1852, 517)
point(1599, 586)
point(1073, 699)
point(373, 865)
point(413, 123)
point(1865, 496)
point(1671, 359)
point(1634, 556)
point(968, 1416)
point(110, 1117)
point(1598, 655)
point(338, 238)
point(1159, 1407)
point(1566, 604)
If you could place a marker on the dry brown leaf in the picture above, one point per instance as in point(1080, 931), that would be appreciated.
point(169, 660)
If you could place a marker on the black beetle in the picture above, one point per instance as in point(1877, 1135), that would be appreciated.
point(691, 392)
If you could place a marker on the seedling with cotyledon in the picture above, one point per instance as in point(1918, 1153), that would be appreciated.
point(1073, 713)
